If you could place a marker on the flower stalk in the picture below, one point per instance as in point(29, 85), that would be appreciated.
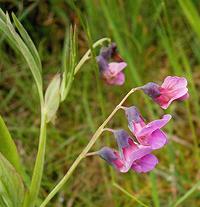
point(88, 53)
point(82, 155)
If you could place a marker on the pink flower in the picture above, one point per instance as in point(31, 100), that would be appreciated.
point(111, 72)
point(130, 155)
point(147, 134)
point(173, 88)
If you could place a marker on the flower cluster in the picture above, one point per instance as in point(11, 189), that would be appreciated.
point(136, 153)
point(110, 71)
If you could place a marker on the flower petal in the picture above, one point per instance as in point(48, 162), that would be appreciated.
point(154, 125)
point(113, 74)
point(119, 79)
point(129, 150)
point(157, 139)
point(174, 82)
point(145, 164)
point(125, 143)
point(115, 68)
point(184, 97)
point(140, 152)
point(168, 96)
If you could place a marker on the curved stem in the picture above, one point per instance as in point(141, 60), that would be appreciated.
point(108, 129)
point(31, 196)
point(87, 54)
point(85, 151)
point(91, 154)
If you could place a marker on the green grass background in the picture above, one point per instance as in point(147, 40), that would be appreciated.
point(156, 38)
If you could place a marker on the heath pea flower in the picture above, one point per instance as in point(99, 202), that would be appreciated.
point(130, 155)
point(111, 72)
point(173, 88)
point(147, 134)
point(110, 52)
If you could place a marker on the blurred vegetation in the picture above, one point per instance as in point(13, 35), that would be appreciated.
point(157, 38)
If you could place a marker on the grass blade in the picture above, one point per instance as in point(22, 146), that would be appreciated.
point(186, 195)
point(191, 14)
point(129, 194)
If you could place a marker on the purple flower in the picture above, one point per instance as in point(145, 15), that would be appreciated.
point(111, 72)
point(145, 164)
point(130, 155)
point(147, 134)
point(173, 88)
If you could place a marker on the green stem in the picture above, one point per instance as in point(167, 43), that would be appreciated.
point(85, 151)
point(31, 197)
point(87, 54)
point(129, 194)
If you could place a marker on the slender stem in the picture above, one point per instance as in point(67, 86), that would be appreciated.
point(85, 151)
point(87, 54)
point(108, 129)
point(91, 154)
point(31, 197)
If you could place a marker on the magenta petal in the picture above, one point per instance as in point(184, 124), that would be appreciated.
point(157, 139)
point(154, 125)
point(129, 150)
point(145, 164)
point(125, 143)
point(164, 101)
point(113, 75)
point(115, 68)
point(140, 152)
point(118, 80)
point(184, 97)
point(137, 154)
point(167, 97)
point(174, 82)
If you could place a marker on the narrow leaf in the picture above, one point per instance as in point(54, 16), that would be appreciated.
point(28, 41)
point(69, 53)
point(27, 55)
point(8, 148)
point(11, 185)
point(4, 29)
